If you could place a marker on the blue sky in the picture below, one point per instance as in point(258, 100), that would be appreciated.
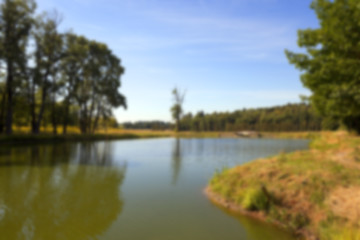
point(227, 54)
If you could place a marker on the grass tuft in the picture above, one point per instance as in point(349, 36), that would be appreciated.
point(255, 200)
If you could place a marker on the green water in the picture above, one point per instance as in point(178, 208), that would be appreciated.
point(139, 189)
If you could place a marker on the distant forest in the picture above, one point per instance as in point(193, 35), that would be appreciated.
point(291, 117)
point(152, 125)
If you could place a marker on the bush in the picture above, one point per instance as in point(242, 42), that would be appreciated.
point(255, 200)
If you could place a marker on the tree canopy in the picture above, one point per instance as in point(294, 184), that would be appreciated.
point(331, 64)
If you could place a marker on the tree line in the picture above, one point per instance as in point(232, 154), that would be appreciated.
point(291, 117)
point(150, 125)
point(47, 75)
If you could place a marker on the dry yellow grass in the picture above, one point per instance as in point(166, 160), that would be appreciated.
point(170, 133)
point(345, 203)
point(76, 130)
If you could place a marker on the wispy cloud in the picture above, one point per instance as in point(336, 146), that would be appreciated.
point(202, 34)
point(201, 29)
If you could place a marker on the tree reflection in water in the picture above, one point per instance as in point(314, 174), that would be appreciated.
point(176, 160)
point(65, 191)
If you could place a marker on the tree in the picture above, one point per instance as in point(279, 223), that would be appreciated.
point(2, 103)
point(177, 109)
point(47, 76)
point(99, 90)
point(91, 74)
point(72, 66)
point(15, 24)
point(331, 64)
point(48, 53)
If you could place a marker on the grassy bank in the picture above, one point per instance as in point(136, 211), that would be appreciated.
point(292, 135)
point(315, 193)
point(229, 134)
point(272, 135)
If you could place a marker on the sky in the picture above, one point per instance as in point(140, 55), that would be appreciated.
point(226, 54)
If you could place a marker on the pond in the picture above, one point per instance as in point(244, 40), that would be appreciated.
point(133, 189)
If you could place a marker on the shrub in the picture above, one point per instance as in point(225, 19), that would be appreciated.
point(255, 199)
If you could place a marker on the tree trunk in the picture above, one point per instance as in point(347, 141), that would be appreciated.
point(36, 127)
point(54, 123)
point(41, 112)
point(32, 107)
point(82, 125)
point(9, 89)
point(2, 111)
point(66, 116)
point(42, 106)
point(53, 116)
point(96, 120)
point(89, 121)
point(83, 119)
point(177, 125)
point(53, 106)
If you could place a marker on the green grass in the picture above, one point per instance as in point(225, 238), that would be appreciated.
point(255, 199)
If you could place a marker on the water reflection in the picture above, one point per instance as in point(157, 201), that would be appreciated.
point(176, 160)
point(100, 154)
point(85, 153)
point(77, 190)
point(44, 199)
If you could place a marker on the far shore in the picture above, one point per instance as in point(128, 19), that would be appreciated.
point(123, 134)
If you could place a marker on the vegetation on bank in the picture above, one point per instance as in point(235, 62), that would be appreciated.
point(315, 193)
point(229, 134)
point(293, 135)
point(21, 135)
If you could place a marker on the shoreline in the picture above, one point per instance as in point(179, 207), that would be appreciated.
point(232, 206)
point(51, 138)
point(314, 193)
point(221, 202)
point(20, 137)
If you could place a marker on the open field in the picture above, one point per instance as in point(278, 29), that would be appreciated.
point(314, 193)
